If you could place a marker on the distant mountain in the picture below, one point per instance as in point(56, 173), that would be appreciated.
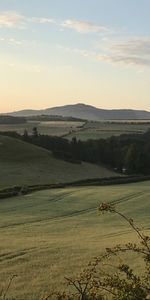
point(88, 112)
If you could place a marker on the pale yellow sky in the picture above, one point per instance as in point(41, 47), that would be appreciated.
point(31, 86)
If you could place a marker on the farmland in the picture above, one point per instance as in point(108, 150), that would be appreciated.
point(50, 234)
point(53, 233)
point(97, 130)
point(80, 130)
point(58, 128)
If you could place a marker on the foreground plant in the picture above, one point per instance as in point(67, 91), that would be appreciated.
point(4, 291)
point(103, 280)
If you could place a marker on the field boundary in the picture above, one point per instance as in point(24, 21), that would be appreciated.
point(24, 190)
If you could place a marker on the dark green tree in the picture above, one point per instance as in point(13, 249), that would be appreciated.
point(35, 132)
point(130, 159)
point(25, 135)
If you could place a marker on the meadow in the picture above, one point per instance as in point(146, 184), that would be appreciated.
point(50, 234)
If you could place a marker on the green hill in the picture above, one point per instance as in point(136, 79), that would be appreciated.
point(25, 164)
point(50, 234)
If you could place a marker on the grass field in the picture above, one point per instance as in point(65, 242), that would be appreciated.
point(25, 164)
point(47, 235)
point(82, 130)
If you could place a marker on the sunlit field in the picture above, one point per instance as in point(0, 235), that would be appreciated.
point(47, 235)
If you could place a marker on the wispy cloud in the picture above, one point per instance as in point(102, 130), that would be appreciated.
point(83, 26)
point(10, 19)
point(135, 46)
point(12, 41)
point(78, 26)
point(124, 59)
point(13, 19)
point(43, 21)
point(133, 52)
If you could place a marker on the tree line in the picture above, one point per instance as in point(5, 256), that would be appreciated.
point(6, 119)
point(128, 153)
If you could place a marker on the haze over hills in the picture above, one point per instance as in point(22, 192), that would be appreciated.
point(88, 112)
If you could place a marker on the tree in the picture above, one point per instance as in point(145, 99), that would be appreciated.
point(130, 159)
point(25, 135)
point(35, 132)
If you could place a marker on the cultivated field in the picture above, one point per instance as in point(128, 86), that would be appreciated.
point(97, 130)
point(58, 128)
point(80, 130)
point(25, 164)
point(51, 234)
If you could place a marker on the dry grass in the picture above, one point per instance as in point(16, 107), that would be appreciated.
point(47, 235)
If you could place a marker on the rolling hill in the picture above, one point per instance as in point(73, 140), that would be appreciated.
point(25, 164)
point(88, 112)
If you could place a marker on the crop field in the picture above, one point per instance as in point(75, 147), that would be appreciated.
point(58, 128)
point(50, 234)
point(97, 130)
point(80, 130)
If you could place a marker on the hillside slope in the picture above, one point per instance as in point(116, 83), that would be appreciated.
point(48, 235)
point(88, 112)
point(25, 164)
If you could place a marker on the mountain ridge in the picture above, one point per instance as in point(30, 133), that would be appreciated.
point(84, 111)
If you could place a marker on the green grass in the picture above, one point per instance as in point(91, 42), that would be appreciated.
point(25, 164)
point(50, 234)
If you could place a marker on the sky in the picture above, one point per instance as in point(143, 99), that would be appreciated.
point(58, 52)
